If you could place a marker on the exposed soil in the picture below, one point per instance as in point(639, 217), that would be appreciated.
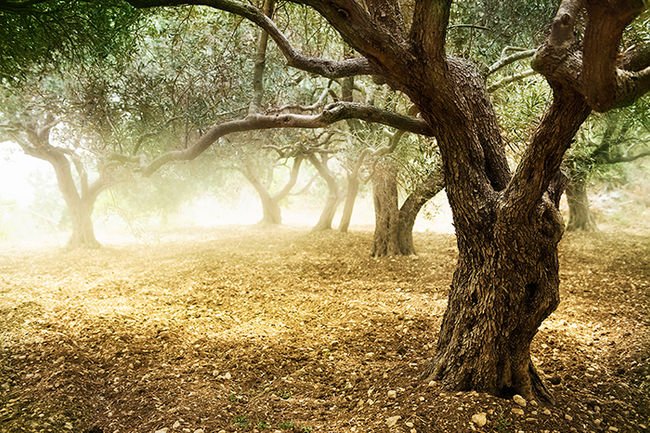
point(244, 330)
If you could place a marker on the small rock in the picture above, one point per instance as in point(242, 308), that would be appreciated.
point(391, 421)
point(227, 376)
point(480, 419)
point(642, 426)
point(598, 422)
point(409, 424)
point(533, 403)
point(177, 424)
point(531, 419)
point(413, 431)
point(613, 429)
point(392, 394)
point(68, 425)
point(199, 430)
point(518, 411)
point(546, 412)
point(568, 417)
point(162, 430)
point(519, 400)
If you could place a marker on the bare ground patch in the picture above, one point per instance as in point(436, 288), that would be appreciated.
point(253, 330)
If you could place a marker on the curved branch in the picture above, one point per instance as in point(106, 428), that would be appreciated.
point(505, 61)
point(511, 79)
point(626, 158)
point(295, 169)
point(594, 71)
point(333, 113)
point(314, 65)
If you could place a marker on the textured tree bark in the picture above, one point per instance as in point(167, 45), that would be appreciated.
point(580, 216)
point(384, 189)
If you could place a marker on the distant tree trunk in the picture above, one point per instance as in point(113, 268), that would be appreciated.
point(271, 211)
point(393, 224)
point(80, 205)
point(350, 198)
point(83, 233)
point(432, 185)
point(384, 191)
point(580, 216)
point(326, 217)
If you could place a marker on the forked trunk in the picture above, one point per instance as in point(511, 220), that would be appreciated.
point(393, 224)
point(580, 216)
point(271, 212)
point(425, 191)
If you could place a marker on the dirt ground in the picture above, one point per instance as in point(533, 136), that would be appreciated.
point(254, 330)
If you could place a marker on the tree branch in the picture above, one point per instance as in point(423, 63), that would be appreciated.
point(505, 61)
point(594, 70)
point(333, 113)
point(428, 31)
point(326, 68)
point(542, 158)
point(295, 169)
point(626, 158)
point(510, 79)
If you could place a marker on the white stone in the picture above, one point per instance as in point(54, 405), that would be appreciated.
point(391, 421)
point(518, 411)
point(480, 419)
point(177, 424)
point(519, 400)
point(392, 394)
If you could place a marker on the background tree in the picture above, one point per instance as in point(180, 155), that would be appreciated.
point(618, 137)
